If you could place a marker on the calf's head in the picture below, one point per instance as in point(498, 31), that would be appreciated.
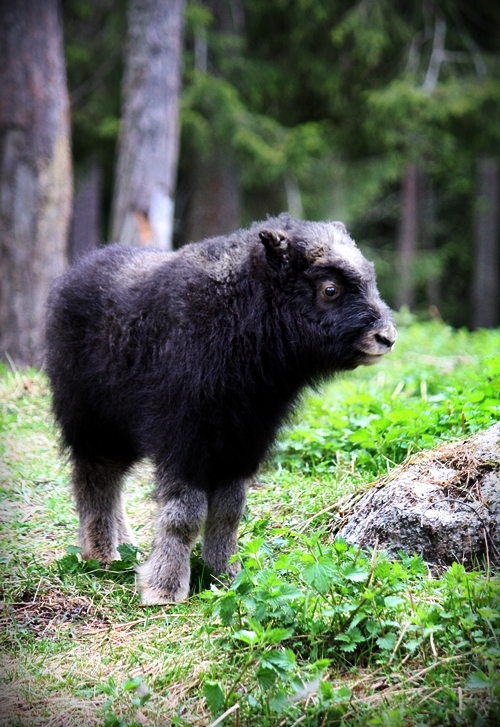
point(331, 291)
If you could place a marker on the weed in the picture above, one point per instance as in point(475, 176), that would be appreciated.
point(373, 423)
point(128, 700)
point(304, 611)
point(312, 631)
point(121, 571)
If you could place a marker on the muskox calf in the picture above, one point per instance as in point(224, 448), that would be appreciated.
point(193, 358)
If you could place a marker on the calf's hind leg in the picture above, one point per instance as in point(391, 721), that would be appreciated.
point(164, 577)
point(226, 506)
point(103, 523)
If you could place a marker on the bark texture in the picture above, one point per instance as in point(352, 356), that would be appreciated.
point(85, 233)
point(35, 170)
point(486, 286)
point(214, 206)
point(148, 146)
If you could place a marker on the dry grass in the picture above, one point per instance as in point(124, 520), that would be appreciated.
point(70, 643)
point(62, 642)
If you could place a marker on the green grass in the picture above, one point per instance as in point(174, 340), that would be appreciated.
point(311, 632)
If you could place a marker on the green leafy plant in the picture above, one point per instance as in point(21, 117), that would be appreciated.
point(300, 608)
point(126, 699)
point(312, 631)
point(374, 424)
point(121, 571)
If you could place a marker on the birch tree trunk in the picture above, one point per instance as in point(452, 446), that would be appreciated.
point(143, 202)
point(35, 170)
point(486, 286)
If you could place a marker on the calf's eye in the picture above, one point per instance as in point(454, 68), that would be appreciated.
point(330, 291)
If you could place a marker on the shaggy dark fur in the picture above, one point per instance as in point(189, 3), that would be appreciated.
point(193, 358)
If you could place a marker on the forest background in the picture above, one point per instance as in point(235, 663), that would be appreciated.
point(381, 113)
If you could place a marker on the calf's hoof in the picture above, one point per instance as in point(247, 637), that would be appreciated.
point(233, 569)
point(156, 590)
point(105, 556)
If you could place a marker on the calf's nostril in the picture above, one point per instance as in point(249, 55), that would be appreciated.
point(381, 338)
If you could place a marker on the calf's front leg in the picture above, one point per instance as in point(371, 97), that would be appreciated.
point(164, 577)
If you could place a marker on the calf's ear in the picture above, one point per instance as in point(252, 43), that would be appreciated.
point(277, 246)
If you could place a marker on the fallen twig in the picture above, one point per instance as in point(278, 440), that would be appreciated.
point(234, 708)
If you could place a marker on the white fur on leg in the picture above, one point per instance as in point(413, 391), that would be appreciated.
point(102, 520)
point(171, 588)
point(164, 577)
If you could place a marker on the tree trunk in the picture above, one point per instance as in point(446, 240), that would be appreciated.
point(485, 288)
point(148, 146)
point(214, 206)
point(35, 170)
point(85, 233)
point(408, 238)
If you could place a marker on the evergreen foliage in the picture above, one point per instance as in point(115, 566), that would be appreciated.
point(330, 100)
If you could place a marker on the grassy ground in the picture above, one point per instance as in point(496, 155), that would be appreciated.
point(311, 632)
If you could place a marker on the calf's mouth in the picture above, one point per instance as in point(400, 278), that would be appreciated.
point(377, 343)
